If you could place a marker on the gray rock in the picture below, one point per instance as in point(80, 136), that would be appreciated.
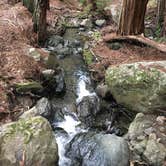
point(90, 149)
point(87, 109)
point(140, 87)
point(86, 23)
point(103, 91)
point(59, 46)
point(146, 141)
point(55, 40)
point(34, 53)
point(48, 73)
point(42, 108)
point(63, 51)
point(31, 139)
point(82, 29)
point(100, 23)
point(52, 61)
point(115, 45)
point(55, 84)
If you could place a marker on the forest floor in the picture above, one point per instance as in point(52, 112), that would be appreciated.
point(17, 37)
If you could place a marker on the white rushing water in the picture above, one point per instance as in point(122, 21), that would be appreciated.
point(71, 124)
point(82, 90)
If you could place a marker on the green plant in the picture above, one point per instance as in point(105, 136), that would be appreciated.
point(158, 31)
point(96, 35)
point(101, 4)
point(88, 57)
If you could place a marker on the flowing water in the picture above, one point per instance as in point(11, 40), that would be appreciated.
point(78, 85)
point(71, 124)
point(79, 100)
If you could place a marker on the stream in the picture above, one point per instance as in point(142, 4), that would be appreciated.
point(79, 143)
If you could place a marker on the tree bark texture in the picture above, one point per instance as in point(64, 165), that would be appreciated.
point(161, 16)
point(132, 17)
point(42, 22)
point(38, 8)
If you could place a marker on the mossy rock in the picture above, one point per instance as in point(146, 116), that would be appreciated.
point(139, 86)
point(144, 135)
point(31, 138)
point(52, 62)
point(34, 87)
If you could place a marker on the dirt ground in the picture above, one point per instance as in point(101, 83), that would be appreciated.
point(16, 37)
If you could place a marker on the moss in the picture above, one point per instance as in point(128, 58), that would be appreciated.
point(85, 13)
point(28, 86)
point(24, 127)
point(96, 36)
point(52, 62)
point(138, 77)
point(137, 86)
point(88, 56)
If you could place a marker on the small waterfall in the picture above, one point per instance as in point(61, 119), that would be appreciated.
point(82, 91)
point(71, 124)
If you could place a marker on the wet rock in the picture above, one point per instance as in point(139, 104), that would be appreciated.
point(87, 109)
point(103, 91)
point(30, 139)
point(146, 141)
point(60, 88)
point(100, 23)
point(59, 112)
point(98, 150)
point(54, 84)
point(75, 43)
point(55, 40)
point(59, 46)
point(63, 51)
point(140, 87)
point(42, 108)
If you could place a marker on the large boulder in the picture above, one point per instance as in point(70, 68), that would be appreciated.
point(139, 86)
point(28, 142)
point(147, 139)
point(90, 149)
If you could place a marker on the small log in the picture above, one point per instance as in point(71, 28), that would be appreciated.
point(136, 39)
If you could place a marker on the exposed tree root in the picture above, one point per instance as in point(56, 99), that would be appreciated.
point(136, 39)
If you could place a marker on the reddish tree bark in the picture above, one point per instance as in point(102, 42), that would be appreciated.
point(132, 17)
point(161, 16)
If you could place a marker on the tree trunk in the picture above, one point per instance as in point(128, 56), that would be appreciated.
point(43, 5)
point(132, 17)
point(39, 19)
point(161, 14)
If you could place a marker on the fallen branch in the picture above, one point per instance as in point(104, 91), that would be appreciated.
point(136, 39)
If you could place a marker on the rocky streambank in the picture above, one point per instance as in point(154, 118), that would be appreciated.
point(71, 120)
